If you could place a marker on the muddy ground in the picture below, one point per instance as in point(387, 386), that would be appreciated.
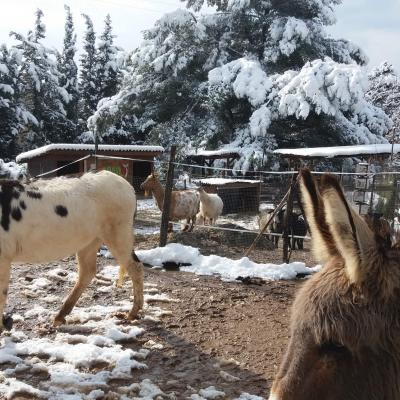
point(214, 328)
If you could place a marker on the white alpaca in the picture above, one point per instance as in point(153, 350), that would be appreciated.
point(211, 206)
point(45, 220)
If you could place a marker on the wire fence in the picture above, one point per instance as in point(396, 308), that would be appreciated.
point(249, 200)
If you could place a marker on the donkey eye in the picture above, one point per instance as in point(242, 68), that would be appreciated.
point(332, 347)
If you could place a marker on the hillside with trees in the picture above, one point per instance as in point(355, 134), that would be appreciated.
point(384, 92)
point(250, 77)
point(45, 96)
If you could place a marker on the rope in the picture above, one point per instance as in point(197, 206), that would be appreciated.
point(220, 228)
point(126, 158)
point(64, 166)
point(264, 172)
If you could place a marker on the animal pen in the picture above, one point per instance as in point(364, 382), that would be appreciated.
point(370, 182)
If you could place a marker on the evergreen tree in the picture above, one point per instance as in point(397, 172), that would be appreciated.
point(41, 92)
point(108, 70)
point(384, 92)
point(89, 85)
point(13, 115)
point(250, 77)
point(69, 78)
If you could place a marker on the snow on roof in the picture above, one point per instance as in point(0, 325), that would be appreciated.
point(210, 153)
point(85, 147)
point(341, 151)
point(223, 181)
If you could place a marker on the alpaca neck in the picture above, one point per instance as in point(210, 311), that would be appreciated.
point(158, 193)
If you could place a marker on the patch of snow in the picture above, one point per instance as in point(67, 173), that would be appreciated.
point(146, 204)
point(224, 181)
point(211, 393)
point(227, 268)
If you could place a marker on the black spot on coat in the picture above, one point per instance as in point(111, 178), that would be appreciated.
point(16, 213)
point(22, 205)
point(61, 211)
point(34, 195)
point(8, 188)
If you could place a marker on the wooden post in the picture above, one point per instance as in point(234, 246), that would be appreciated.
point(96, 148)
point(288, 219)
point(167, 198)
point(264, 228)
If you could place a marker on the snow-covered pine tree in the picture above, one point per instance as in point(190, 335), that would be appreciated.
point(111, 63)
point(107, 59)
point(252, 76)
point(13, 115)
point(41, 92)
point(384, 92)
point(88, 83)
point(68, 71)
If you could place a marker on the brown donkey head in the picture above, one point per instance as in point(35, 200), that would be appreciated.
point(345, 331)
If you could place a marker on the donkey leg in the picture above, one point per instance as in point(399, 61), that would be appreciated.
point(193, 219)
point(5, 267)
point(187, 225)
point(121, 246)
point(86, 271)
point(121, 276)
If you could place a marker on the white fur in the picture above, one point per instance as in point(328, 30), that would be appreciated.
point(211, 206)
point(100, 209)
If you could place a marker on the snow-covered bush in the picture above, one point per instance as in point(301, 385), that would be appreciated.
point(12, 170)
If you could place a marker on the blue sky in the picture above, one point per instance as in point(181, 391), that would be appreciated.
point(372, 24)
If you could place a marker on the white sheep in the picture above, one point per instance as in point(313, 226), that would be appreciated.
point(45, 220)
point(211, 206)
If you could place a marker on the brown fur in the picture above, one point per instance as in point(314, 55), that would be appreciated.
point(184, 203)
point(381, 227)
point(345, 331)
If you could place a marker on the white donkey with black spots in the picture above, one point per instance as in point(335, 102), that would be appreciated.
point(46, 220)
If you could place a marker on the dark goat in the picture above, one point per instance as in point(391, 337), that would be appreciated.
point(297, 227)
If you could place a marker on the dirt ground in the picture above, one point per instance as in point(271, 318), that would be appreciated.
point(227, 335)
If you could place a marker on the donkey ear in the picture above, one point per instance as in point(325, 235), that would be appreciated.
point(351, 234)
point(322, 241)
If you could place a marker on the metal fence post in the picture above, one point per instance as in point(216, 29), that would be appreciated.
point(167, 198)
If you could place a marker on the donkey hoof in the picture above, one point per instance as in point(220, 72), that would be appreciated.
point(134, 314)
point(7, 322)
point(59, 321)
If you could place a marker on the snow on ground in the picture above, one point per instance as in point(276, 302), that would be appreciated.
point(146, 204)
point(94, 336)
point(227, 268)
